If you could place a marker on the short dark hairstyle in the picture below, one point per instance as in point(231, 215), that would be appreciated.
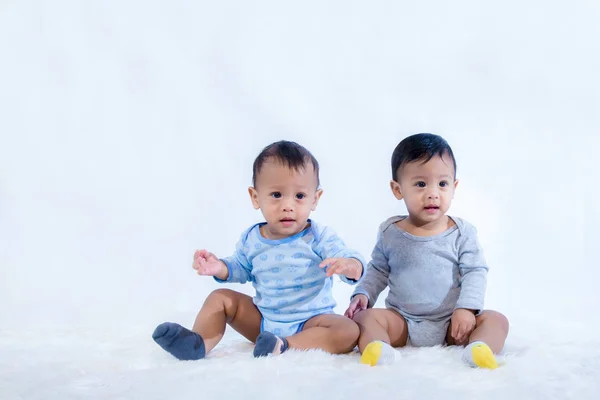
point(420, 147)
point(290, 154)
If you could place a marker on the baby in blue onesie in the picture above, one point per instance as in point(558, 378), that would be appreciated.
point(433, 265)
point(290, 261)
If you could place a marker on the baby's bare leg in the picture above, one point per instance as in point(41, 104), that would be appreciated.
point(227, 306)
point(381, 324)
point(333, 333)
point(487, 339)
point(221, 306)
point(492, 329)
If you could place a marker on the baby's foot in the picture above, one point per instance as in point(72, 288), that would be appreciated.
point(378, 353)
point(479, 354)
point(179, 341)
point(267, 343)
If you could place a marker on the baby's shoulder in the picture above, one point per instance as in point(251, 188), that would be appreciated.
point(318, 234)
point(465, 228)
point(250, 234)
point(385, 225)
point(384, 231)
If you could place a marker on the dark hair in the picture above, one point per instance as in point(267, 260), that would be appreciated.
point(290, 154)
point(422, 146)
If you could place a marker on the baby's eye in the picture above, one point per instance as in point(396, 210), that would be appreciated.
point(276, 195)
point(420, 184)
point(300, 196)
point(443, 184)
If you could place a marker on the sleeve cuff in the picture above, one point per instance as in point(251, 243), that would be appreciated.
point(360, 292)
point(362, 273)
point(476, 310)
point(229, 274)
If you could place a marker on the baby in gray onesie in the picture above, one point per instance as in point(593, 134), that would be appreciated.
point(433, 265)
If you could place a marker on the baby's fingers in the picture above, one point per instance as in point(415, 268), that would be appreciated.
point(335, 268)
point(201, 266)
point(457, 331)
point(353, 308)
point(196, 264)
point(349, 312)
point(454, 331)
point(462, 330)
point(201, 253)
point(468, 331)
point(363, 303)
point(327, 261)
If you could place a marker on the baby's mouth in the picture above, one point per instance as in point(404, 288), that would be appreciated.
point(287, 221)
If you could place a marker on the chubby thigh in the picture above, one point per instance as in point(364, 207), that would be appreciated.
point(331, 332)
point(388, 324)
point(383, 323)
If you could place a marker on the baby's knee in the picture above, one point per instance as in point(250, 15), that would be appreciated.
point(221, 296)
point(364, 317)
point(221, 293)
point(352, 331)
point(346, 335)
point(496, 318)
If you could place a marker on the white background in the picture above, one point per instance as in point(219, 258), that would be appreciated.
point(128, 131)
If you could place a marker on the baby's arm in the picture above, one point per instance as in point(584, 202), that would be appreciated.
point(473, 271)
point(235, 268)
point(338, 258)
point(376, 276)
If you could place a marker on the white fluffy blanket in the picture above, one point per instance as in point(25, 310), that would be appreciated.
point(538, 363)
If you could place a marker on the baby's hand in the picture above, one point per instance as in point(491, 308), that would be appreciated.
point(462, 324)
point(349, 267)
point(206, 263)
point(359, 302)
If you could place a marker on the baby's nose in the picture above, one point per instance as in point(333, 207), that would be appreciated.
point(433, 194)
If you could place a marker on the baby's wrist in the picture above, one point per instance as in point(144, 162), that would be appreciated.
point(359, 265)
point(223, 274)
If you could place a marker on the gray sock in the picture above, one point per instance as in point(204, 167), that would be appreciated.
point(267, 343)
point(179, 341)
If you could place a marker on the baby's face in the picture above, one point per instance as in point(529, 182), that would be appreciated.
point(427, 189)
point(285, 197)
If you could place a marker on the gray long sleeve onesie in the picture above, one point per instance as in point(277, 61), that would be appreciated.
point(429, 277)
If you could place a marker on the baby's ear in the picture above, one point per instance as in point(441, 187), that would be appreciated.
point(254, 197)
point(455, 185)
point(396, 190)
point(317, 197)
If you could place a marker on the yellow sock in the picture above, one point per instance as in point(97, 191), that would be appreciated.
point(378, 353)
point(479, 354)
